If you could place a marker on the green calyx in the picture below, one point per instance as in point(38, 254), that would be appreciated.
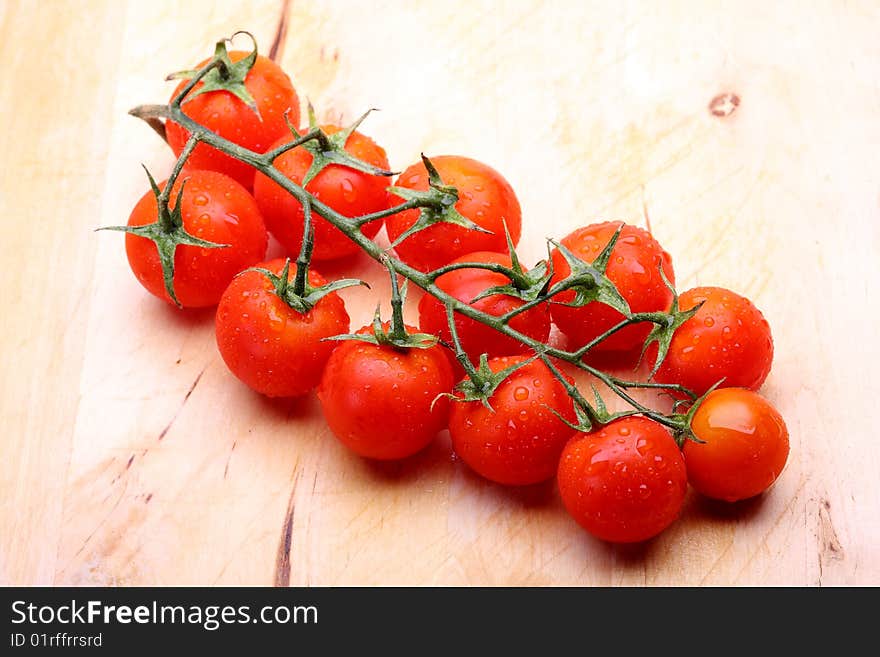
point(396, 335)
point(586, 415)
point(299, 294)
point(681, 422)
point(225, 75)
point(663, 331)
point(437, 205)
point(330, 149)
point(588, 279)
point(481, 382)
point(167, 232)
point(525, 285)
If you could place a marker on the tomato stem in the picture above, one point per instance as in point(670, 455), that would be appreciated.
point(587, 280)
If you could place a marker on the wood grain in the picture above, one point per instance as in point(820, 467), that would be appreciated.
point(132, 457)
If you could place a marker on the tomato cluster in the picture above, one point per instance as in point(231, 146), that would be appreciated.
point(516, 418)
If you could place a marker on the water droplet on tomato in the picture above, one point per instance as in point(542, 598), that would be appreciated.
point(623, 431)
point(349, 193)
point(709, 322)
point(644, 491)
point(643, 445)
point(521, 393)
point(200, 199)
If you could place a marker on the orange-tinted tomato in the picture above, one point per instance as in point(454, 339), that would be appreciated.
point(745, 449)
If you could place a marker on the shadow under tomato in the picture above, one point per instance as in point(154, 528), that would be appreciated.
point(703, 509)
point(186, 317)
point(412, 467)
point(532, 496)
point(285, 408)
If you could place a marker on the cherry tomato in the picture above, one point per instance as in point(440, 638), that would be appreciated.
point(485, 198)
point(380, 400)
point(348, 191)
point(228, 116)
point(728, 337)
point(477, 338)
point(625, 482)
point(268, 345)
point(214, 208)
point(634, 270)
point(745, 448)
point(519, 441)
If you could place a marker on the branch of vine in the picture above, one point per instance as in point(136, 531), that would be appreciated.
point(427, 281)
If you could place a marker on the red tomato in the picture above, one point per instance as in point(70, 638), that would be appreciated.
point(214, 208)
point(228, 116)
point(485, 198)
point(728, 337)
point(379, 400)
point(520, 441)
point(268, 345)
point(348, 191)
point(477, 338)
point(625, 482)
point(745, 449)
point(634, 270)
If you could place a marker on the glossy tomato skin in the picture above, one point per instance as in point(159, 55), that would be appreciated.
point(379, 401)
point(215, 208)
point(477, 338)
point(746, 445)
point(231, 118)
point(634, 270)
point(485, 198)
point(519, 443)
point(268, 345)
point(727, 338)
point(624, 482)
point(348, 191)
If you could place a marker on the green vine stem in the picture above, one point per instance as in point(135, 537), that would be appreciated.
point(350, 226)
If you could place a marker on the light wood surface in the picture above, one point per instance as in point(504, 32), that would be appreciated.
point(131, 456)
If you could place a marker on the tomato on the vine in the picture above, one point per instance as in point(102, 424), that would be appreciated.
point(350, 192)
point(382, 401)
point(745, 445)
point(230, 117)
point(518, 442)
point(624, 482)
point(272, 347)
point(484, 197)
point(634, 268)
point(727, 338)
point(214, 208)
point(477, 338)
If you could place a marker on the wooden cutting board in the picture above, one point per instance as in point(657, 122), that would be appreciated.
point(131, 456)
